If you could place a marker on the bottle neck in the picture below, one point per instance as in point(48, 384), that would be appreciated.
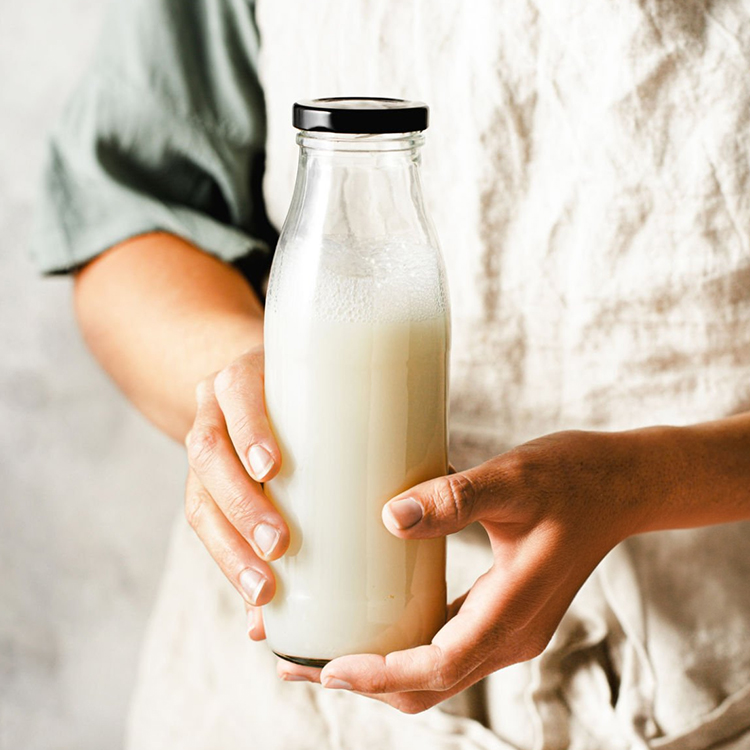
point(359, 187)
point(356, 143)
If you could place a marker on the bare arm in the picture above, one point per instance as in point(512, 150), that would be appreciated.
point(160, 315)
point(181, 333)
point(697, 475)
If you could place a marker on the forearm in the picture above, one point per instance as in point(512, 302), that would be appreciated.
point(697, 475)
point(159, 315)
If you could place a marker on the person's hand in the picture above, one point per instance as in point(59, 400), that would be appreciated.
point(231, 450)
point(553, 508)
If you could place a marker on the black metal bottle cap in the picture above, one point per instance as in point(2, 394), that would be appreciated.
point(366, 115)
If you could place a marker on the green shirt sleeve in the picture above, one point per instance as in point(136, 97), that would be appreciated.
point(165, 132)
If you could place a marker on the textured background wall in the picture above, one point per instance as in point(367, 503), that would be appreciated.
point(87, 488)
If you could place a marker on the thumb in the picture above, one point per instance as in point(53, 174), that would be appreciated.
point(434, 508)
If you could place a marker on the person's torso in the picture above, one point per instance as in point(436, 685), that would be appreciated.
point(586, 168)
point(586, 171)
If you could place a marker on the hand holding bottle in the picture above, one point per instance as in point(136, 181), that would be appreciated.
point(231, 449)
point(552, 508)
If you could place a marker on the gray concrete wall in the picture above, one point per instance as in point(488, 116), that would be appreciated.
point(87, 488)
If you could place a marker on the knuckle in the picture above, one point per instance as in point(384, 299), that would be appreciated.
point(239, 509)
point(436, 671)
point(411, 704)
point(202, 445)
point(228, 378)
point(535, 649)
point(531, 466)
point(539, 644)
point(454, 496)
point(531, 649)
point(379, 683)
point(445, 674)
point(517, 467)
point(195, 501)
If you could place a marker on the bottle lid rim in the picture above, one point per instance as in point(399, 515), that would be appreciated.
point(360, 114)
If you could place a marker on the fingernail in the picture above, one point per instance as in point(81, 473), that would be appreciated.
point(260, 462)
point(250, 621)
point(332, 682)
point(405, 513)
point(252, 582)
point(266, 537)
point(294, 678)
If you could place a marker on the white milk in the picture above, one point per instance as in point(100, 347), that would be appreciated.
point(359, 410)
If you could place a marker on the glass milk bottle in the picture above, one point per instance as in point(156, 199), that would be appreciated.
point(357, 333)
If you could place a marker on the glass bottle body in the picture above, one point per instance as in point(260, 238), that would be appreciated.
point(357, 337)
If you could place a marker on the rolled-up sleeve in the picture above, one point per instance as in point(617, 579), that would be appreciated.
point(165, 132)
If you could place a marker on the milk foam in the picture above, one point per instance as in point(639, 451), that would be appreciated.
point(373, 280)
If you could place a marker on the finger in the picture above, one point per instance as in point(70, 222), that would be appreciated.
point(458, 648)
point(416, 701)
point(250, 575)
point(296, 672)
point(497, 608)
point(437, 507)
point(214, 460)
point(255, 628)
point(447, 504)
point(526, 644)
point(239, 392)
point(291, 672)
point(410, 702)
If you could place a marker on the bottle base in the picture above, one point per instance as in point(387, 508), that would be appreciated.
point(303, 661)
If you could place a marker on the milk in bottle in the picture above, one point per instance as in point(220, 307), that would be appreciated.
point(357, 340)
